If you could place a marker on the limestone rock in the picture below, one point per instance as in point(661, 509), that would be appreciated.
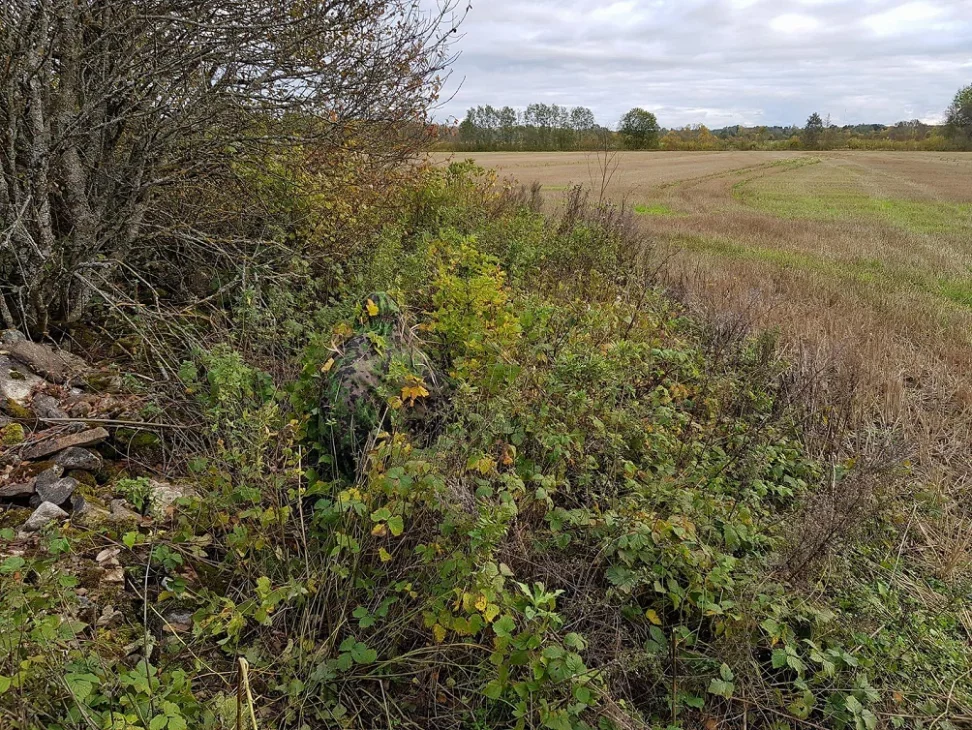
point(17, 382)
point(44, 515)
point(48, 476)
point(17, 491)
point(58, 492)
point(122, 515)
point(85, 514)
point(45, 447)
point(108, 556)
point(46, 406)
point(78, 458)
point(162, 495)
point(110, 616)
point(55, 365)
point(177, 621)
point(114, 575)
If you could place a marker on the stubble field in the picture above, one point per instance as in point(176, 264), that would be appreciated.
point(862, 262)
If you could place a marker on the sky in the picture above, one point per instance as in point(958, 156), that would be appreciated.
point(716, 62)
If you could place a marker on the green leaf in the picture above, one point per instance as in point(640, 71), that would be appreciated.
point(158, 722)
point(853, 705)
point(493, 689)
point(780, 658)
point(796, 663)
point(380, 515)
point(575, 641)
point(583, 694)
point(802, 707)
point(504, 626)
point(12, 564)
point(362, 654)
point(575, 664)
point(557, 720)
point(4, 684)
point(397, 525)
point(694, 701)
point(81, 685)
point(726, 673)
point(177, 723)
point(721, 687)
point(129, 538)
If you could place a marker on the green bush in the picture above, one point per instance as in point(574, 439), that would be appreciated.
point(569, 514)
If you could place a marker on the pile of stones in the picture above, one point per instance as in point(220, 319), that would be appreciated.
point(48, 442)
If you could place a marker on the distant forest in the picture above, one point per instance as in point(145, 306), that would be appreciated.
point(550, 127)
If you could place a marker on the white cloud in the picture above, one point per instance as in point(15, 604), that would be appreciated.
point(717, 61)
point(616, 11)
point(912, 17)
point(794, 23)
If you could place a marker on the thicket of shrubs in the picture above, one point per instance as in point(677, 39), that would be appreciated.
point(449, 463)
point(476, 471)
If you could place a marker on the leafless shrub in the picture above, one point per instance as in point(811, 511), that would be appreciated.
point(535, 201)
point(103, 105)
point(575, 208)
point(845, 504)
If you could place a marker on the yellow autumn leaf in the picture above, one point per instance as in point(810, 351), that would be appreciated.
point(327, 366)
point(384, 555)
point(411, 392)
point(481, 603)
point(439, 631)
point(652, 616)
point(372, 308)
point(491, 612)
point(467, 601)
point(379, 530)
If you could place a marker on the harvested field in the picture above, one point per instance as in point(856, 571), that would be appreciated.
point(861, 261)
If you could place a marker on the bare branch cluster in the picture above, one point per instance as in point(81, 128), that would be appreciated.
point(105, 102)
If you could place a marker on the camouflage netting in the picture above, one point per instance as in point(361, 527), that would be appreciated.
point(363, 391)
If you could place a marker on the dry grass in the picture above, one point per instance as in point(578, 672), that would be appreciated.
point(862, 261)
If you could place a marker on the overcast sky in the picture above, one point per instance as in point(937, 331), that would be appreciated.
point(717, 62)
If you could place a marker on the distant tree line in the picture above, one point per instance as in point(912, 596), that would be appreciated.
point(549, 127)
point(538, 127)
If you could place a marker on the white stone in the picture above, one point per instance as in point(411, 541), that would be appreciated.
point(44, 515)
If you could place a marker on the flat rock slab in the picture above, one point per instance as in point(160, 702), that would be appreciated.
point(16, 381)
point(44, 515)
point(45, 406)
point(78, 458)
point(40, 449)
point(58, 492)
point(48, 476)
point(55, 365)
point(17, 491)
point(120, 514)
point(162, 496)
point(86, 514)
